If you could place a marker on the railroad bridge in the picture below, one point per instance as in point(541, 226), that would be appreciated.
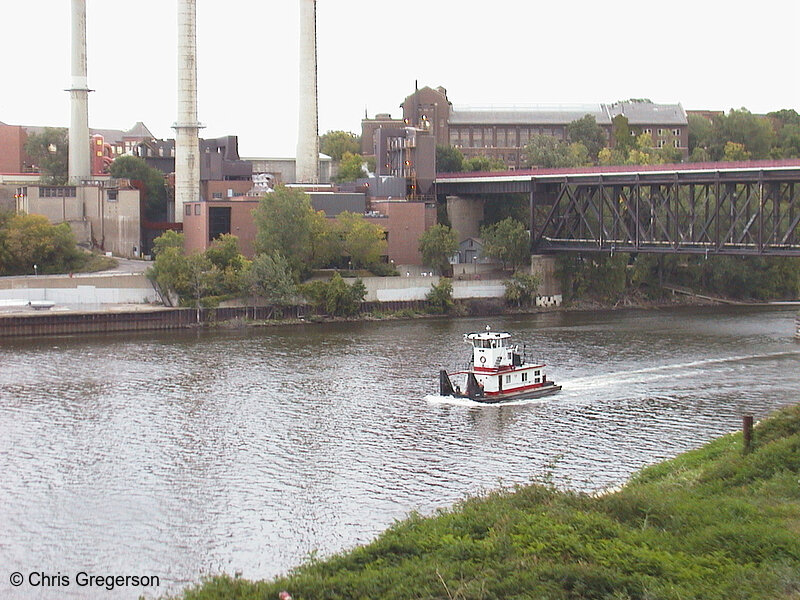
point(741, 208)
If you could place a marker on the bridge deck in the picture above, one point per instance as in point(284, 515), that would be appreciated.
point(743, 208)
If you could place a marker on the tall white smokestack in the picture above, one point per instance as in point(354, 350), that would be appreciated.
point(308, 134)
point(79, 160)
point(187, 141)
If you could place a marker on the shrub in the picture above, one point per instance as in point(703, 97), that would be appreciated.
point(440, 298)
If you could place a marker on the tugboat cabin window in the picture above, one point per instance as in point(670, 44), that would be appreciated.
point(524, 377)
point(508, 378)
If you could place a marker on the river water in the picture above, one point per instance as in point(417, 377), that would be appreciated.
point(194, 453)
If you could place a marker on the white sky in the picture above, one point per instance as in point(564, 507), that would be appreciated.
point(704, 54)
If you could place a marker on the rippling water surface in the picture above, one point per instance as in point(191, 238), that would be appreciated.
point(193, 453)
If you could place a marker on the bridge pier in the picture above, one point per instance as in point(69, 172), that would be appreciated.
point(543, 266)
point(465, 214)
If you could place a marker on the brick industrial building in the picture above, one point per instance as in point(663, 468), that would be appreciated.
point(503, 132)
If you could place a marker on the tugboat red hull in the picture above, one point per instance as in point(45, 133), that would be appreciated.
point(476, 393)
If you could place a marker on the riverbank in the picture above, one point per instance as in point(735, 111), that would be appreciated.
point(713, 523)
point(27, 321)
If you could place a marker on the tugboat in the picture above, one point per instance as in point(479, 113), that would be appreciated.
point(498, 372)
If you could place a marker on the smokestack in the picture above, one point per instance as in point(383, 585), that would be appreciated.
point(307, 165)
point(187, 140)
point(79, 161)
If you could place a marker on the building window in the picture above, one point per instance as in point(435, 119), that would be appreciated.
point(111, 195)
point(219, 221)
point(660, 131)
point(217, 195)
point(197, 208)
point(647, 131)
point(57, 192)
point(187, 210)
point(676, 143)
point(676, 132)
point(660, 143)
point(501, 137)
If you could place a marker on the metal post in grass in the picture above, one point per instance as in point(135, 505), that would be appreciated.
point(747, 433)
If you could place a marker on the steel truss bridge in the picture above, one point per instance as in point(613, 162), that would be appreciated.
point(747, 208)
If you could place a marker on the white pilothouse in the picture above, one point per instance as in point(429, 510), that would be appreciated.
point(497, 372)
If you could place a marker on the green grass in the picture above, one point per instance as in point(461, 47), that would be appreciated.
point(97, 262)
point(711, 524)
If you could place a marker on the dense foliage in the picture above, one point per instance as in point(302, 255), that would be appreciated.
point(49, 151)
point(437, 245)
point(28, 240)
point(521, 290)
point(507, 241)
point(440, 298)
point(712, 524)
point(287, 224)
point(612, 279)
point(337, 143)
point(198, 279)
point(741, 135)
point(150, 181)
point(335, 297)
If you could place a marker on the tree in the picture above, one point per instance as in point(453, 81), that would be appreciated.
point(734, 151)
point(789, 141)
point(586, 131)
point(621, 132)
point(449, 159)
point(483, 164)
point(521, 289)
point(27, 240)
point(700, 135)
point(548, 152)
point(338, 143)
point(363, 241)
point(740, 126)
point(437, 245)
point(168, 239)
point(440, 298)
point(224, 254)
point(335, 297)
point(170, 274)
point(49, 151)
point(153, 184)
point(351, 168)
point(286, 223)
point(270, 278)
point(507, 241)
point(192, 279)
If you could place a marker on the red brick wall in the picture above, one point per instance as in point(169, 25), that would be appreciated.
point(406, 222)
point(12, 143)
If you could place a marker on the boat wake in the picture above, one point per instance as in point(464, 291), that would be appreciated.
point(453, 401)
point(662, 371)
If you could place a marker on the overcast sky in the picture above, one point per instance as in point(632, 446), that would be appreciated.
point(704, 54)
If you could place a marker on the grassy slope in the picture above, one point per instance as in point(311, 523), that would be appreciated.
point(710, 524)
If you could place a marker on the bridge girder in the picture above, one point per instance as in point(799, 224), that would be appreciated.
point(744, 211)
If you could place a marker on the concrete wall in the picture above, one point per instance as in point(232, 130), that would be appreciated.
point(544, 267)
point(465, 214)
point(114, 214)
point(123, 288)
point(389, 289)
